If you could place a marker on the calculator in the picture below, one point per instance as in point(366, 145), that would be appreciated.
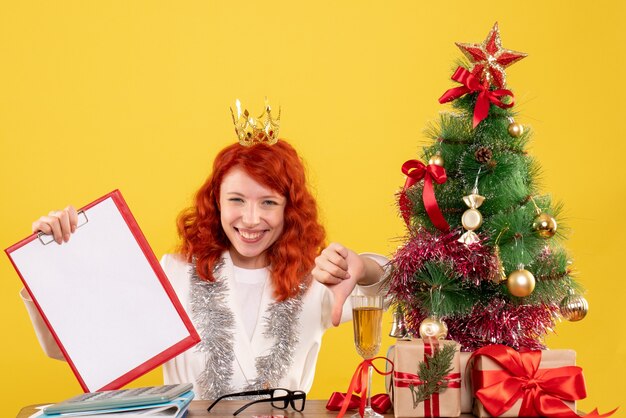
point(108, 399)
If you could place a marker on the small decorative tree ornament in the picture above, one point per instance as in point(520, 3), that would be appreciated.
point(489, 59)
point(521, 282)
point(515, 129)
point(574, 307)
point(501, 276)
point(436, 159)
point(543, 224)
point(483, 155)
point(433, 328)
point(472, 219)
point(398, 325)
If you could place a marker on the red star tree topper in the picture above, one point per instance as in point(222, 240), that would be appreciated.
point(490, 59)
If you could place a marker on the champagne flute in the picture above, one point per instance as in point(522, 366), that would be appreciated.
point(367, 315)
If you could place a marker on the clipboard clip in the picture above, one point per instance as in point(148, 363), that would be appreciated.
point(82, 220)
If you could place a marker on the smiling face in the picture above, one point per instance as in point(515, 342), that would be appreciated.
point(252, 216)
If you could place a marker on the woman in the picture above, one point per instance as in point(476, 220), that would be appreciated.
point(251, 275)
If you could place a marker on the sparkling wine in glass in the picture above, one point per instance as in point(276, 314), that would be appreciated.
point(367, 315)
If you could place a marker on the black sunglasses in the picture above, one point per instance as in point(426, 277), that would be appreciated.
point(280, 399)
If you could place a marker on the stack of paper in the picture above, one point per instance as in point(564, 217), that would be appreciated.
point(175, 408)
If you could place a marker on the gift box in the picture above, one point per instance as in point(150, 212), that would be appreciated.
point(407, 356)
point(467, 398)
point(509, 384)
point(389, 369)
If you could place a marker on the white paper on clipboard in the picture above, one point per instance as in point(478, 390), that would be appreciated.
point(105, 297)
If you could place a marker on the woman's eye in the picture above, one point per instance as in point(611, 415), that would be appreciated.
point(270, 202)
point(235, 199)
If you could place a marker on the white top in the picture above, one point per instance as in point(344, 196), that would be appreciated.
point(250, 284)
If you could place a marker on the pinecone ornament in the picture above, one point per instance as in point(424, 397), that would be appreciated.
point(483, 155)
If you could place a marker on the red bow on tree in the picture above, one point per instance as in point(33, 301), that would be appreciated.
point(415, 171)
point(543, 391)
point(471, 84)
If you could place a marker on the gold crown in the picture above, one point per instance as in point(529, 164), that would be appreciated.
point(251, 131)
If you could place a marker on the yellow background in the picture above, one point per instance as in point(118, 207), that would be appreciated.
point(134, 95)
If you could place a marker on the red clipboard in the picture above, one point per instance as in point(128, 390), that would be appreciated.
point(104, 296)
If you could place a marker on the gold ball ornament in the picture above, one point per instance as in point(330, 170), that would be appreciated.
point(521, 283)
point(544, 225)
point(436, 159)
point(433, 328)
point(516, 129)
point(574, 307)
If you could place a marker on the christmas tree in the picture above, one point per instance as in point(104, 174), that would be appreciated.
point(483, 261)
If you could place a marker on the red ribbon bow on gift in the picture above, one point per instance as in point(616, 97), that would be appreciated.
point(471, 84)
point(359, 384)
point(431, 406)
point(543, 392)
point(415, 171)
point(380, 402)
point(404, 380)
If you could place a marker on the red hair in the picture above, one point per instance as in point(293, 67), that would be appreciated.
point(275, 166)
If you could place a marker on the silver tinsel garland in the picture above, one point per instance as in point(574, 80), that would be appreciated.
point(281, 325)
point(215, 322)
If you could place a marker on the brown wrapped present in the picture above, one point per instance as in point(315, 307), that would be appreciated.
point(536, 383)
point(467, 397)
point(407, 356)
point(391, 351)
